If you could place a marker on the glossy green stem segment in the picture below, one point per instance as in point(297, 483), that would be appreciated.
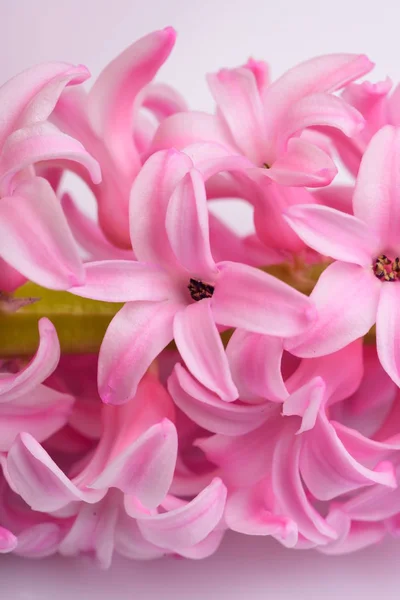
point(80, 323)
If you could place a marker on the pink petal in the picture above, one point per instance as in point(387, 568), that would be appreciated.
point(146, 467)
point(112, 97)
point(130, 542)
point(10, 279)
point(250, 299)
point(31, 95)
point(375, 198)
point(41, 142)
point(352, 536)
point(187, 227)
point(39, 541)
point(89, 235)
point(39, 481)
point(150, 195)
point(387, 331)
point(320, 110)
point(123, 281)
point(302, 164)
point(321, 74)
point(163, 100)
point(289, 491)
point(306, 402)
point(339, 197)
point(351, 315)
point(201, 348)
point(210, 412)
point(41, 413)
point(38, 369)
point(134, 338)
point(189, 524)
point(8, 541)
point(205, 548)
point(183, 129)
point(236, 94)
point(329, 469)
point(333, 233)
point(35, 238)
point(255, 363)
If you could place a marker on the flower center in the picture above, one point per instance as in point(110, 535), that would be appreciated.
point(386, 269)
point(200, 290)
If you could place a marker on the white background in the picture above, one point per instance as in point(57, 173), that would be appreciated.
point(212, 34)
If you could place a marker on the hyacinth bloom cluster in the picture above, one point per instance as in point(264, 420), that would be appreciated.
point(163, 378)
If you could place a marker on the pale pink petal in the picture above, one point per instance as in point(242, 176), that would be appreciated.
point(289, 491)
point(320, 110)
point(352, 536)
point(302, 164)
point(38, 143)
point(130, 542)
point(189, 524)
point(236, 94)
point(112, 98)
point(134, 338)
point(39, 481)
point(260, 70)
point(89, 235)
point(146, 467)
point(205, 548)
point(388, 330)
point(356, 292)
point(163, 100)
point(150, 195)
point(321, 74)
point(201, 348)
point(333, 233)
point(330, 469)
point(124, 281)
point(255, 363)
point(250, 299)
point(187, 227)
point(183, 129)
point(41, 413)
point(306, 403)
point(35, 238)
point(31, 95)
point(8, 541)
point(339, 197)
point(375, 198)
point(38, 369)
point(373, 504)
point(39, 541)
point(210, 412)
point(211, 158)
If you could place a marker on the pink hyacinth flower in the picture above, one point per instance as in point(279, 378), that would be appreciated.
point(28, 405)
point(264, 122)
point(102, 121)
point(364, 292)
point(177, 290)
point(34, 236)
point(277, 445)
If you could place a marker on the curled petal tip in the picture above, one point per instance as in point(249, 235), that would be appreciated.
point(170, 32)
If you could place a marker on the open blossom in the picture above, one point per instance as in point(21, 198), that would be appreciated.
point(366, 248)
point(176, 290)
point(264, 122)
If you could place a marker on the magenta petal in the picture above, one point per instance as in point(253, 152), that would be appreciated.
point(134, 338)
point(388, 330)
point(201, 348)
point(255, 362)
point(210, 412)
point(35, 238)
point(39, 481)
point(42, 142)
point(329, 469)
point(236, 94)
point(351, 315)
point(39, 368)
point(187, 227)
point(375, 198)
point(146, 467)
point(8, 541)
point(302, 164)
point(150, 195)
point(123, 281)
point(250, 299)
point(113, 96)
point(333, 233)
point(189, 524)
